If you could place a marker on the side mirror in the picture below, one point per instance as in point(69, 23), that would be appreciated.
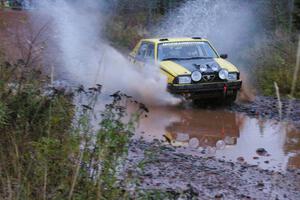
point(224, 56)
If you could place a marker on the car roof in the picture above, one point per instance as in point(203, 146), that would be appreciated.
point(170, 40)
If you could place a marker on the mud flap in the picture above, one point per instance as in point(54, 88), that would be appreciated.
point(225, 90)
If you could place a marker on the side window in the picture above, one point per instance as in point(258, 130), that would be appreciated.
point(208, 50)
point(150, 51)
point(142, 51)
point(146, 51)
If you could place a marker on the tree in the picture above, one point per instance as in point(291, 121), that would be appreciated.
point(296, 15)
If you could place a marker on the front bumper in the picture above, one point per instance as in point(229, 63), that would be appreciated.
point(206, 89)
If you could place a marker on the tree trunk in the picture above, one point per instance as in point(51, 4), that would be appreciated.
point(291, 13)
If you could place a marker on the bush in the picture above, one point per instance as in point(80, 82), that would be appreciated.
point(28, 117)
point(49, 148)
point(276, 63)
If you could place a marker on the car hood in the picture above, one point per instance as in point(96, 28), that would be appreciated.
point(181, 67)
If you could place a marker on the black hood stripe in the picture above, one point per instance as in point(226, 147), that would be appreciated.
point(191, 65)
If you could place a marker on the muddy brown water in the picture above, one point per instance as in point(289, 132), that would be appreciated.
point(225, 135)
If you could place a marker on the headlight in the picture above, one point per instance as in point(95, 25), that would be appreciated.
point(184, 80)
point(196, 76)
point(215, 67)
point(232, 76)
point(223, 74)
point(203, 68)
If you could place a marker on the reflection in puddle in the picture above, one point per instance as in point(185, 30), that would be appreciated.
point(226, 135)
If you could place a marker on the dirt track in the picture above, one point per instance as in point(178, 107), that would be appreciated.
point(268, 107)
point(196, 177)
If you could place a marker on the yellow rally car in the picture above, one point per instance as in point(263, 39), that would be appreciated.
point(193, 67)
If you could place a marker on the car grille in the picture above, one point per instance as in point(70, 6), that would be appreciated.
point(209, 77)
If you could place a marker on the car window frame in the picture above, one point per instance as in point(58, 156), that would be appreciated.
point(214, 50)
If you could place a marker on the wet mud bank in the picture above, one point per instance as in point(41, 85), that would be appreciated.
point(270, 108)
point(164, 168)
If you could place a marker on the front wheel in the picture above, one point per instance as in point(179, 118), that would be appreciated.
point(230, 99)
point(204, 103)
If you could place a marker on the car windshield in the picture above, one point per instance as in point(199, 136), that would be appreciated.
point(185, 50)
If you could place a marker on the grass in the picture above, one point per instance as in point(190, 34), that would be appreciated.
point(276, 63)
point(50, 148)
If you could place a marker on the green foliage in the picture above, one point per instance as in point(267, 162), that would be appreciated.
point(276, 63)
point(296, 15)
point(31, 123)
point(49, 149)
point(124, 34)
point(3, 114)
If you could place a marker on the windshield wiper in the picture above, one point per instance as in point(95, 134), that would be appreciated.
point(189, 58)
point(171, 59)
point(198, 58)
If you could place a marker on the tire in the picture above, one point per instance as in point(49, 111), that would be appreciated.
point(203, 103)
point(198, 102)
point(229, 100)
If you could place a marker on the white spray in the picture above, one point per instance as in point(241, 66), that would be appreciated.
point(87, 59)
point(230, 25)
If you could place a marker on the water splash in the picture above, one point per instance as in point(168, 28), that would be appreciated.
point(86, 58)
point(230, 25)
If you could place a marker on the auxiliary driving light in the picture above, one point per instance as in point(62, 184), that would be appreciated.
point(203, 68)
point(196, 76)
point(223, 74)
point(215, 67)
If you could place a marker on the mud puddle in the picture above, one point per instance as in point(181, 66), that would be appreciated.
point(225, 135)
